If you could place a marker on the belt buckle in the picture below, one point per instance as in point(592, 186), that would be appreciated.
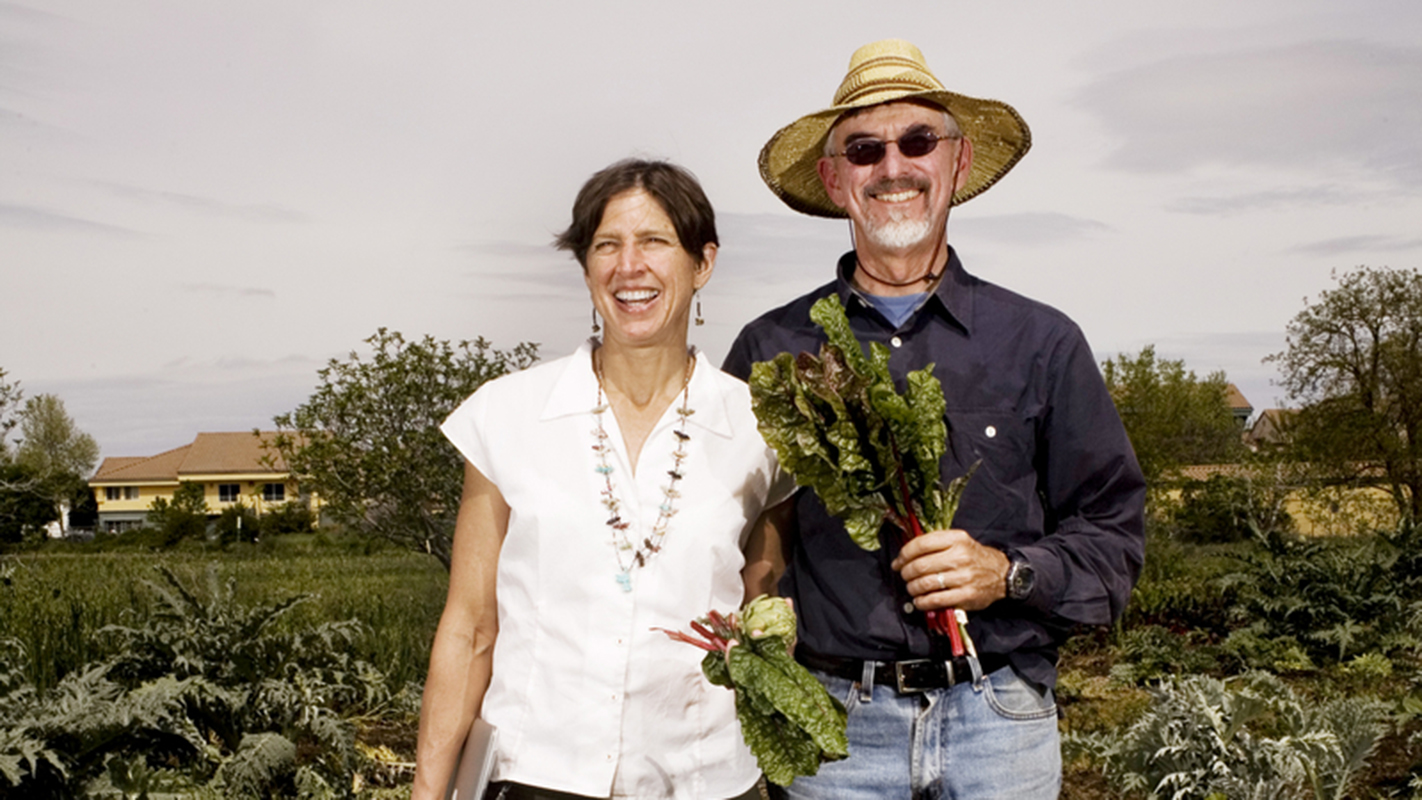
point(901, 679)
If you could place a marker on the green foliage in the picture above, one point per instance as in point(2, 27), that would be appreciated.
point(1151, 652)
point(1172, 417)
point(24, 510)
point(237, 523)
point(54, 449)
point(1252, 737)
point(1335, 598)
point(787, 718)
point(289, 517)
point(201, 683)
point(1180, 587)
point(1225, 508)
point(10, 396)
point(789, 721)
point(183, 517)
point(368, 439)
point(1354, 359)
point(838, 424)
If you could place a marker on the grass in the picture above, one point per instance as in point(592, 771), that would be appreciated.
point(55, 602)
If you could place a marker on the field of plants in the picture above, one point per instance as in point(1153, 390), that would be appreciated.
point(285, 669)
point(1274, 666)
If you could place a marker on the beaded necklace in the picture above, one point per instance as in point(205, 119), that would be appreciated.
point(630, 556)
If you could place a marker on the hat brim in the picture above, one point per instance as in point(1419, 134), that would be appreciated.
point(788, 161)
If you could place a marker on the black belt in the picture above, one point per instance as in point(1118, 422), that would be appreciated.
point(908, 677)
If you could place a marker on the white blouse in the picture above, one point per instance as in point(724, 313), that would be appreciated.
point(586, 696)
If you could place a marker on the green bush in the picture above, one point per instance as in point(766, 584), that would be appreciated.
point(1221, 509)
point(289, 517)
point(1335, 598)
point(237, 523)
point(1251, 737)
point(202, 690)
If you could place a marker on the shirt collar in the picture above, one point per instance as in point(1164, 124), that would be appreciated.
point(953, 296)
point(575, 392)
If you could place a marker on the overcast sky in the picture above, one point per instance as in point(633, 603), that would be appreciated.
point(202, 202)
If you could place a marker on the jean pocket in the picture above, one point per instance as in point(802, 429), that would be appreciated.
point(1010, 697)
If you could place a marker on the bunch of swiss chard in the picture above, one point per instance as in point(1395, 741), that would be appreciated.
point(840, 426)
point(788, 720)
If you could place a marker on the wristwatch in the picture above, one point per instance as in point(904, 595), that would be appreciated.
point(1021, 578)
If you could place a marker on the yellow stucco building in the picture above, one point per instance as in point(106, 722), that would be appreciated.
point(233, 469)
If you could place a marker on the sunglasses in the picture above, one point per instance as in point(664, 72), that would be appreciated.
point(914, 144)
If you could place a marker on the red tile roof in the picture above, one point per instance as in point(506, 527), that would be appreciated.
point(208, 454)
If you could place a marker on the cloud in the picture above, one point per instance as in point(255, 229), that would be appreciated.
point(147, 414)
point(254, 212)
point(1273, 199)
point(1032, 229)
point(507, 249)
point(1348, 103)
point(1354, 244)
point(38, 218)
point(228, 291)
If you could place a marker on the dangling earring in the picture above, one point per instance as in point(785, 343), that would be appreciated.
point(699, 320)
point(596, 327)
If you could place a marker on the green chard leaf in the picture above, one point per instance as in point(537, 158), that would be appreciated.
point(803, 705)
point(840, 426)
point(782, 749)
point(788, 720)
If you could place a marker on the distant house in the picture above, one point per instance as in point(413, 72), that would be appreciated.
point(233, 468)
point(1270, 428)
point(1238, 406)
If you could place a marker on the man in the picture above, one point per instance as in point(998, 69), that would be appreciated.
point(1050, 531)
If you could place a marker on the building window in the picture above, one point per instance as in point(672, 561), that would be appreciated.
point(130, 492)
point(228, 492)
point(112, 493)
point(274, 492)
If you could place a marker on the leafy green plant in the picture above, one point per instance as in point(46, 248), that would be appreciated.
point(872, 455)
point(1150, 652)
point(787, 718)
point(183, 517)
point(201, 684)
point(1250, 737)
point(1337, 598)
point(368, 439)
point(838, 423)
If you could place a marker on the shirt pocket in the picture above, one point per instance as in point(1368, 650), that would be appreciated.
point(1003, 490)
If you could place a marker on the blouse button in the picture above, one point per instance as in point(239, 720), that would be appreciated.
point(896, 342)
point(990, 431)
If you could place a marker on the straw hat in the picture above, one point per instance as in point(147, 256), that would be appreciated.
point(884, 72)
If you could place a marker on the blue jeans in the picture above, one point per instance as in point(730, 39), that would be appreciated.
point(994, 737)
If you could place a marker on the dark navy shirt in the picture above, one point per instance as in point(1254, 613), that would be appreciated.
point(1058, 484)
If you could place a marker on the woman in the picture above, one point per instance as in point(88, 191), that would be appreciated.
point(606, 494)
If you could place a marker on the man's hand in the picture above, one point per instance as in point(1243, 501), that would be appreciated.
point(949, 569)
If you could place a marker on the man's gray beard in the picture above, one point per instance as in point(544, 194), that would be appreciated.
point(900, 234)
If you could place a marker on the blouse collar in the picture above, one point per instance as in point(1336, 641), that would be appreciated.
point(575, 392)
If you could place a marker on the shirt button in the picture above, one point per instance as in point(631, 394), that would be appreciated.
point(896, 342)
point(990, 431)
point(908, 608)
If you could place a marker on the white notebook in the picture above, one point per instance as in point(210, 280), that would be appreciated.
point(476, 763)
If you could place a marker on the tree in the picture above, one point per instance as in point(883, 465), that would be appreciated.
point(368, 440)
point(182, 517)
point(10, 396)
point(1172, 417)
point(55, 450)
point(1354, 361)
point(22, 512)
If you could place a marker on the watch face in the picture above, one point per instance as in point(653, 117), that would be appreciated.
point(1020, 580)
